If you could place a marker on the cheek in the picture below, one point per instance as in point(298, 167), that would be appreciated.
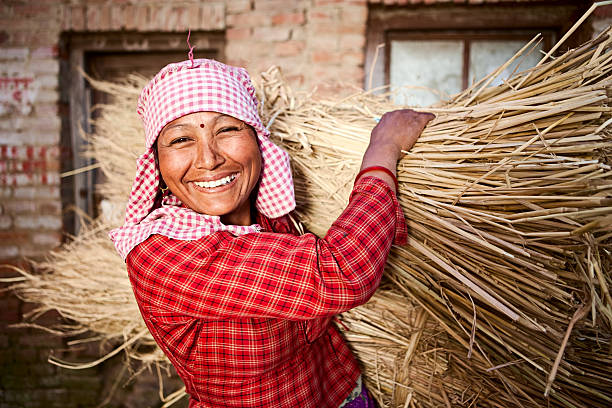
point(254, 160)
point(245, 150)
point(171, 166)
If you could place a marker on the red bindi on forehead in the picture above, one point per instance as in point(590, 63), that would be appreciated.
point(202, 125)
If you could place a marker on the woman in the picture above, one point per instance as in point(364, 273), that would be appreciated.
point(239, 301)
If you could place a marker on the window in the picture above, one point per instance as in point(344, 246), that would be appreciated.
point(432, 66)
point(437, 50)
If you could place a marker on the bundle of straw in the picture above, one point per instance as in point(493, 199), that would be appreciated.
point(508, 200)
point(501, 297)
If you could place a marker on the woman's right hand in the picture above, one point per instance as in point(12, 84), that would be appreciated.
point(400, 129)
point(396, 131)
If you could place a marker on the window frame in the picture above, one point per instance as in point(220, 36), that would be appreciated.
point(467, 37)
point(554, 16)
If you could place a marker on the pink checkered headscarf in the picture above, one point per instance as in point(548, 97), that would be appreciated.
point(177, 90)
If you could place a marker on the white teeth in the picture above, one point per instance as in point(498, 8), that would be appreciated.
point(215, 183)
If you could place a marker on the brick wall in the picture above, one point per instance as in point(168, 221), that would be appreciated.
point(316, 42)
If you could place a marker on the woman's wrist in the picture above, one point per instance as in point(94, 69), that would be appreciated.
point(381, 172)
point(381, 155)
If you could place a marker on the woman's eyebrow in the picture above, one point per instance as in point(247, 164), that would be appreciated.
point(222, 116)
point(175, 125)
point(180, 125)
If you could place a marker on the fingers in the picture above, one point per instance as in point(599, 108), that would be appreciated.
point(400, 128)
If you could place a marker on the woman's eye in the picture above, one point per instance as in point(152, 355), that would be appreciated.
point(179, 140)
point(229, 129)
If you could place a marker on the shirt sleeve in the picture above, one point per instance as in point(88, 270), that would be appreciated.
point(269, 274)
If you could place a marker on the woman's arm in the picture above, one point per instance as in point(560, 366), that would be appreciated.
point(396, 131)
point(270, 274)
point(281, 275)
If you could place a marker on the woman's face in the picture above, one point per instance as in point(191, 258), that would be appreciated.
point(211, 162)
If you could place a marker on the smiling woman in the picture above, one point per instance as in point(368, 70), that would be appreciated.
point(211, 162)
point(238, 300)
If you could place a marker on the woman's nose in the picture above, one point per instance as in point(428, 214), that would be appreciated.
point(207, 155)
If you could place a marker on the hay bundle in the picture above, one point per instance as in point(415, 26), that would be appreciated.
point(508, 197)
point(507, 273)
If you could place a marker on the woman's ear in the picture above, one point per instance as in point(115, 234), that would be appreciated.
point(162, 184)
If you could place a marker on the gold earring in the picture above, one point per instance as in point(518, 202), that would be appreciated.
point(163, 190)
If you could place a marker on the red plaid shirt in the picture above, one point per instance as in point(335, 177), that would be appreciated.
point(245, 320)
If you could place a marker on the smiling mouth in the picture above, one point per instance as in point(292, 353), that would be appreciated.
point(216, 183)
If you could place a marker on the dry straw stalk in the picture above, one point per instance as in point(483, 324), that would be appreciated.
point(501, 297)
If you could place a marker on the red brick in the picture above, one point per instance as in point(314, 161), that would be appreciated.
point(299, 33)
point(295, 80)
point(105, 18)
point(6, 21)
point(14, 53)
point(326, 15)
point(244, 20)
point(137, 17)
point(66, 17)
point(6, 192)
point(14, 237)
point(288, 18)
point(238, 34)
point(130, 17)
point(325, 42)
point(47, 239)
point(6, 222)
point(34, 37)
point(117, 17)
point(158, 20)
point(289, 48)
point(77, 18)
point(43, 192)
point(352, 41)
point(8, 252)
point(50, 207)
point(213, 17)
point(238, 6)
point(31, 10)
point(325, 57)
point(20, 206)
point(267, 34)
point(92, 16)
point(318, 28)
point(352, 29)
point(170, 19)
point(237, 61)
point(354, 14)
point(183, 19)
point(10, 152)
point(37, 222)
point(193, 16)
point(275, 5)
point(45, 52)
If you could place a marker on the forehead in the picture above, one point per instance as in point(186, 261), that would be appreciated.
point(202, 117)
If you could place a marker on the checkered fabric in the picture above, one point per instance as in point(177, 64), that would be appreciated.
point(177, 90)
point(246, 320)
